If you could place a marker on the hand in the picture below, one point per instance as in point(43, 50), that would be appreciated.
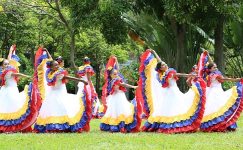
point(12, 48)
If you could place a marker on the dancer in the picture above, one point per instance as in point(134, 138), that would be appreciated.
point(60, 111)
point(120, 115)
point(222, 108)
point(85, 72)
point(169, 110)
point(17, 109)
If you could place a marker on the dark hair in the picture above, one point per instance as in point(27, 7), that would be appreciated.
point(210, 65)
point(59, 59)
point(158, 66)
point(1, 62)
point(86, 59)
point(50, 63)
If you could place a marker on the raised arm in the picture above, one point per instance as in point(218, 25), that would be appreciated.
point(12, 48)
point(156, 55)
point(48, 54)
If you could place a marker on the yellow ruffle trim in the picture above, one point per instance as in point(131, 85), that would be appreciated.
point(148, 85)
point(180, 117)
point(116, 121)
point(41, 77)
point(63, 119)
point(224, 108)
point(20, 112)
point(15, 64)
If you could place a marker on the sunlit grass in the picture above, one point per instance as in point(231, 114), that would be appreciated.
point(97, 139)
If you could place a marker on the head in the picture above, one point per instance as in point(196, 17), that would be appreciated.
point(4, 63)
point(60, 61)
point(161, 66)
point(113, 73)
point(212, 67)
point(86, 60)
point(195, 68)
point(53, 65)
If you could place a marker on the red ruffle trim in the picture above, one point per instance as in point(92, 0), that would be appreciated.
point(88, 109)
point(140, 82)
point(5, 72)
point(170, 75)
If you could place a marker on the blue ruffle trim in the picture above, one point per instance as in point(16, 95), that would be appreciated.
point(181, 124)
point(228, 113)
point(122, 125)
point(143, 76)
point(14, 122)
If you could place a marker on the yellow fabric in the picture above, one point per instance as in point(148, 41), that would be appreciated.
point(191, 111)
point(20, 112)
point(15, 64)
point(115, 121)
point(148, 71)
point(101, 109)
point(82, 67)
point(224, 108)
point(63, 119)
point(41, 77)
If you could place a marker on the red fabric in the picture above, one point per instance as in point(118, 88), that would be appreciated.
point(111, 63)
point(171, 74)
point(64, 80)
point(38, 53)
point(88, 109)
point(140, 82)
point(117, 83)
point(5, 72)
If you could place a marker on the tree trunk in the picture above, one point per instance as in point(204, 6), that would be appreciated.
point(72, 49)
point(180, 53)
point(97, 79)
point(219, 51)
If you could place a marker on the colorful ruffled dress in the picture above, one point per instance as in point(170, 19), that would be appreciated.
point(92, 95)
point(223, 108)
point(120, 115)
point(17, 109)
point(60, 111)
point(169, 110)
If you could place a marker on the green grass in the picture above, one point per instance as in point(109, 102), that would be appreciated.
point(96, 139)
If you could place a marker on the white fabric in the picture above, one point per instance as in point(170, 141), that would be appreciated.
point(58, 102)
point(10, 99)
point(169, 101)
point(216, 97)
point(117, 104)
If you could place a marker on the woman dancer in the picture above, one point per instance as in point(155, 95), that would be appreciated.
point(60, 111)
point(222, 108)
point(17, 109)
point(121, 115)
point(85, 72)
point(169, 110)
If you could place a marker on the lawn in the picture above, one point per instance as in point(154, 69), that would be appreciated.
point(96, 139)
